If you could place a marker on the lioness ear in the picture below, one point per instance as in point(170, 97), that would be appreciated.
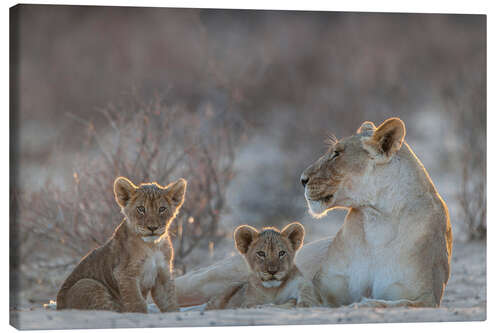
point(295, 233)
point(123, 189)
point(388, 137)
point(244, 235)
point(366, 127)
point(176, 191)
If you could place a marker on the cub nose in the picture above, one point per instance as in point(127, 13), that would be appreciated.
point(272, 270)
point(304, 180)
point(152, 228)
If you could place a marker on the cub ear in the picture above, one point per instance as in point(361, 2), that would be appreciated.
point(388, 137)
point(244, 235)
point(124, 189)
point(366, 127)
point(295, 233)
point(176, 191)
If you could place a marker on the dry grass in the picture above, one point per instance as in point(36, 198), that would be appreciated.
point(144, 142)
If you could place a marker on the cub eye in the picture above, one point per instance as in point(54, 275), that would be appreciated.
point(141, 209)
point(282, 253)
point(162, 209)
point(261, 254)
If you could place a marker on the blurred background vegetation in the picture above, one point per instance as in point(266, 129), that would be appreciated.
point(239, 103)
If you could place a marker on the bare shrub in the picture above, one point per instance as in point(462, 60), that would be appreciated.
point(145, 142)
point(469, 102)
point(472, 199)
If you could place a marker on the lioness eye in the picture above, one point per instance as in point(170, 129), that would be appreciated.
point(162, 209)
point(261, 254)
point(332, 156)
point(141, 209)
point(282, 253)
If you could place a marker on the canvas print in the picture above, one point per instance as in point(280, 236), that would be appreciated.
point(215, 167)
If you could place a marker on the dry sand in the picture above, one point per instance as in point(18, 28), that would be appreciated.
point(464, 300)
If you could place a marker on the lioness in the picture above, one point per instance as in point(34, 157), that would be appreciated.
point(273, 277)
point(135, 260)
point(395, 246)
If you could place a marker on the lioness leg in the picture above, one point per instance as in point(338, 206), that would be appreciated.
point(397, 295)
point(88, 294)
point(200, 286)
point(380, 303)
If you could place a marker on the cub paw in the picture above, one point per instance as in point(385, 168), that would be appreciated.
point(304, 304)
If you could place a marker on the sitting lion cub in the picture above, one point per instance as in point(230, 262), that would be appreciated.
point(135, 260)
point(273, 277)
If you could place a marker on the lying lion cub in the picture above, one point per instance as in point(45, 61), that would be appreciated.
point(273, 277)
point(135, 260)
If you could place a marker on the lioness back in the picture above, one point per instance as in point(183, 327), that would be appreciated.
point(273, 276)
point(136, 260)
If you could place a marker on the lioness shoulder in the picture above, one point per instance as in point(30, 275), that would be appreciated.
point(136, 260)
point(273, 277)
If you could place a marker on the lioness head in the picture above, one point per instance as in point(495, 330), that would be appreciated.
point(347, 175)
point(270, 253)
point(149, 207)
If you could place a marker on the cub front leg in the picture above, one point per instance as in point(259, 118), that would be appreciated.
point(307, 297)
point(250, 300)
point(289, 304)
point(163, 292)
point(131, 295)
point(232, 298)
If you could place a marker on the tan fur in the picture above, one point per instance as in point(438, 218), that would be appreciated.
point(137, 258)
point(273, 277)
point(395, 246)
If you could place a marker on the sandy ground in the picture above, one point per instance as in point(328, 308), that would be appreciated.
point(464, 300)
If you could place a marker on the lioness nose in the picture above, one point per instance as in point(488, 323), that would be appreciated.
point(304, 179)
point(152, 228)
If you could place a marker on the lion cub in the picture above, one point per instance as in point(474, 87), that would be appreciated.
point(137, 259)
point(273, 277)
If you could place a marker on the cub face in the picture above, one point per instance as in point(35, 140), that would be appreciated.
point(270, 253)
point(149, 207)
point(344, 176)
